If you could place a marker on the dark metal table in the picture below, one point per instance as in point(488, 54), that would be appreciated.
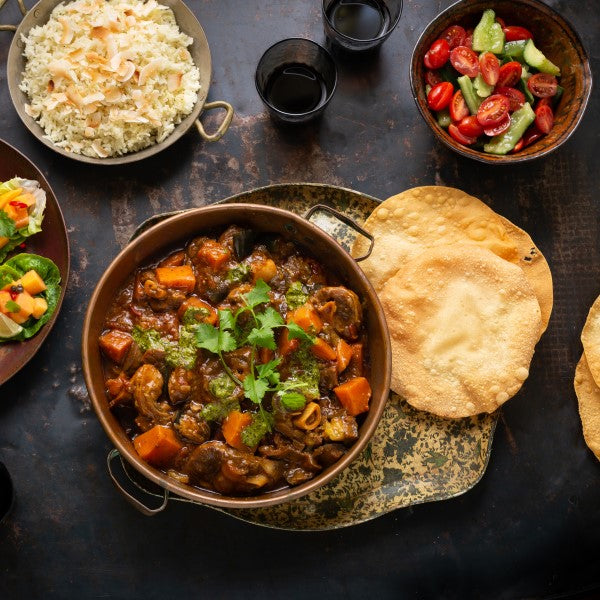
point(530, 528)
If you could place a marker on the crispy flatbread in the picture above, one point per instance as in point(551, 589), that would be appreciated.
point(463, 325)
point(588, 395)
point(424, 217)
point(590, 338)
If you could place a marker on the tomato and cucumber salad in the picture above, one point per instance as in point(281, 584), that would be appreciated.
point(491, 87)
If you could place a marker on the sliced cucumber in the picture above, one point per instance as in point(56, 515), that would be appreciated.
point(520, 120)
point(536, 59)
point(443, 118)
point(515, 50)
point(482, 88)
point(471, 98)
point(488, 35)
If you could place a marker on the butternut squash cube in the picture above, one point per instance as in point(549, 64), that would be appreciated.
point(33, 283)
point(40, 306)
point(25, 304)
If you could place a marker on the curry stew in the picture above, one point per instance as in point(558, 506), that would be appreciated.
point(237, 364)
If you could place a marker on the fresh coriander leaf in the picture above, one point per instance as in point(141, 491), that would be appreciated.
point(207, 337)
point(270, 318)
point(296, 332)
point(268, 369)
point(227, 320)
point(259, 294)
point(255, 389)
point(7, 225)
point(263, 337)
point(293, 401)
point(12, 306)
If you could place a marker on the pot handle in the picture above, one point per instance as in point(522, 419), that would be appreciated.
point(23, 12)
point(344, 219)
point(138, 504)
point(223, 127)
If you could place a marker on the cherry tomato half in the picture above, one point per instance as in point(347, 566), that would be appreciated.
point(498, 129)
point(469, 39)
point(458, 107)
point(542, 85)
point(470, 127)
point(544, 118)
point(533, 134)
point(518, 146)
point(515, 97)
point(514, 33)
point(440, 95)
point(489, 65)
point(432, 77)
point(510, 73)
point(437, 56)
point(493, 110)
point(459, 137)
point(465, 61)
point(455, 36)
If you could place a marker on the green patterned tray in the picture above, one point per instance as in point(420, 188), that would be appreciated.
point(413, 457)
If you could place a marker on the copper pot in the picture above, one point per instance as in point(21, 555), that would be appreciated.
point(175, 232)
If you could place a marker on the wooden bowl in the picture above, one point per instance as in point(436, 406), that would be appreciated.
point(553, 35)
point(175, 232)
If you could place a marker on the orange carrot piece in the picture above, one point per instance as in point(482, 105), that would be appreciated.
point(265, 355)
point(181, 278)
point(306, 317)
point(286, 346)
point(354, 395)
point(158, 445)
point(214, 254)
point(344, 354)
point(232, 428)
point(321, 349)
point(115, 344)
point(212, 317)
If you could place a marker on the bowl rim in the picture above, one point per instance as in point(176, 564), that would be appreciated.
point(281, 495)
point(477, 155)
point(193, 29)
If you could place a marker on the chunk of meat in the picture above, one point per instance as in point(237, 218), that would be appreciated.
point(216, 465)
point(193, 428)
point(180, 385)
point(146, 387)
point(118, 390)
point(328, 454)
point(347, 315)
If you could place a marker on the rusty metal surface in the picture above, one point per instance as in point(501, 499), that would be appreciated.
point(529, 529)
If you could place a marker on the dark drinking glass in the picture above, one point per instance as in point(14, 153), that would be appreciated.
point(296, 78)
point(359, 25)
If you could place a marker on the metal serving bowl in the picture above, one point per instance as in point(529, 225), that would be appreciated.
point(555, 37)
point(174, 232)
point(199, 50)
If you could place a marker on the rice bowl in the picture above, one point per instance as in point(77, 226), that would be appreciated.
point(108, 78)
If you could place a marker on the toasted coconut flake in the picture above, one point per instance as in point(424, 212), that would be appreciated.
point(74, 96)
point(32, 112)
point(125, 71)
point(112, 95)
point(95, 58)
point(120, 57)
point(98, 149)
point(67, 32)
point(130, 21)
point(91, 98)
point(62, 68)
point(94, 120)
point(151, 69)
point(89, 109)
point(100, 33)
point(174, 81)
point(88, 132)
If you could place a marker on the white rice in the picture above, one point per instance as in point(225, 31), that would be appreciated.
point(108, 77)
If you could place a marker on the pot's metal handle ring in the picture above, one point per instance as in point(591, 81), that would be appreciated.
point(138, 504)
point(23, 12)
point(223, 127)
point(344, 219)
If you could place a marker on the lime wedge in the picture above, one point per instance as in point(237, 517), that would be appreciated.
point(8, 328)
